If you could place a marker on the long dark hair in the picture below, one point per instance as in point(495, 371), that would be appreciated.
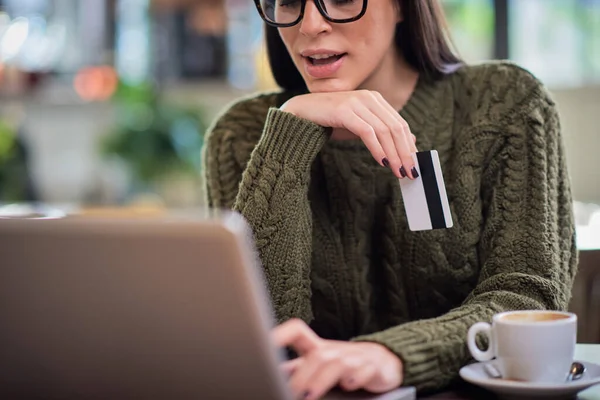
point(422, 38)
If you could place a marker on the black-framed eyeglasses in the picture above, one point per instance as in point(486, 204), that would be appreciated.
point(286, 13)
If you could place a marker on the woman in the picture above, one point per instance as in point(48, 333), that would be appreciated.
point(365, 302)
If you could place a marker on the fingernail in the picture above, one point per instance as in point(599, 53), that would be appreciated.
point(414, 172)
point(385, 162)
point(306, 395)
point(402, 172)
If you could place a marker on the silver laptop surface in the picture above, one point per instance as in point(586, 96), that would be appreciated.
point(156, 308)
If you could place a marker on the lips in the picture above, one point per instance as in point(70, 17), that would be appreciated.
point(324, 59)
point(322, 63)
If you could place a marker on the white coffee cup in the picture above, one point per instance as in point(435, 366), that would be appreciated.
point(532, 346)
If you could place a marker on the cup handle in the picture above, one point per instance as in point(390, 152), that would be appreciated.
point(485, 329)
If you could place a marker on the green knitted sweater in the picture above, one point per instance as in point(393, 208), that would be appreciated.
point(332, 234)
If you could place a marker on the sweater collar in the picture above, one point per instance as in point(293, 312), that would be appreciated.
point(429, 110)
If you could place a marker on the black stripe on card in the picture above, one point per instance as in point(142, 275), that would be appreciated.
point(432, 194)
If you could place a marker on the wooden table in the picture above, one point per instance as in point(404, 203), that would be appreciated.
point(464, 391)
point(586, 296)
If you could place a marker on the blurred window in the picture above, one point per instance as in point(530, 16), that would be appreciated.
point(557, 40)
point(472, 27)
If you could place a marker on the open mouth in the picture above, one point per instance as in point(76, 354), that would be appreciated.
point(325, 59)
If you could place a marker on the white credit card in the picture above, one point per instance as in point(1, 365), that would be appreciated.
point(425, 199)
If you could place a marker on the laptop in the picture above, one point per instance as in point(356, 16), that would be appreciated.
point(165, 307)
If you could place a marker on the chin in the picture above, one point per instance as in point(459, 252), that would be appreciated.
point(329, 85)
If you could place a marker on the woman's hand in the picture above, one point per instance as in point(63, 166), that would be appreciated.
point(323, 364)
point(367, 115)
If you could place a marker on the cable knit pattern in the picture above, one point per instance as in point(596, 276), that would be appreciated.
point(333, 238)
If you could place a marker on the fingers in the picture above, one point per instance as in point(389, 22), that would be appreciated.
point(358, 378)
point(290, 367)
point(405, 144)
point(322, 380)
point(404, 140)
point(384, 136)
point(385, 133)
point(395, 115)
point(365, 131)
point(321, 371)
point(407, 149)
point(352, 366)
point(295, 334)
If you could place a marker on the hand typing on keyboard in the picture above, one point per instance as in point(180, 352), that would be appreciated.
point(324, 364)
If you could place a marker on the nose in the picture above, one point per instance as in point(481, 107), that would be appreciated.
point(313, 22)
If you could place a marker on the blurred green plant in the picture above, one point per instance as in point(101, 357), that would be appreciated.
point(154, 138)
point(7, 142)
point(14, 177)
point(472, 27)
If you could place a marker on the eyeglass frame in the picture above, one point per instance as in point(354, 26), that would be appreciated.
point(320, 7)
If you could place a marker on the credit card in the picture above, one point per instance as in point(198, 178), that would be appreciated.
point(425, 199)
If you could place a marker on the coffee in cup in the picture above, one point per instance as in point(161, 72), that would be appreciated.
point(532, 346)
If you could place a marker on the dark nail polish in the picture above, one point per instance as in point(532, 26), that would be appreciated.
point(385, 162)
point(306, 395)
point(414, 172)
point(402, 172)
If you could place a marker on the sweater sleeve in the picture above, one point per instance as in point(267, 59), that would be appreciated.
point(527, 250)
point(271, 192)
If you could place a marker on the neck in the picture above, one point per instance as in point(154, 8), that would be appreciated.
point(395, 79)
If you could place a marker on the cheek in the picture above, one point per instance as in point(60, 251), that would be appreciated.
point(373, 37)
point(371, 49)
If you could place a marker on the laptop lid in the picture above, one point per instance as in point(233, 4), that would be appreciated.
point(168, 307)
point(160, 307)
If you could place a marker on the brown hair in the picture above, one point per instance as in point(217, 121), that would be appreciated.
point(422, 38)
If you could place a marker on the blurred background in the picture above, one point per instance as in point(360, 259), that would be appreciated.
point(105, 102)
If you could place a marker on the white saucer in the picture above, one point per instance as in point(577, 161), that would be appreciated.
point(476, 374)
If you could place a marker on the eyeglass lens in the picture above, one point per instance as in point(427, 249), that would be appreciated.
point(288, 11)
